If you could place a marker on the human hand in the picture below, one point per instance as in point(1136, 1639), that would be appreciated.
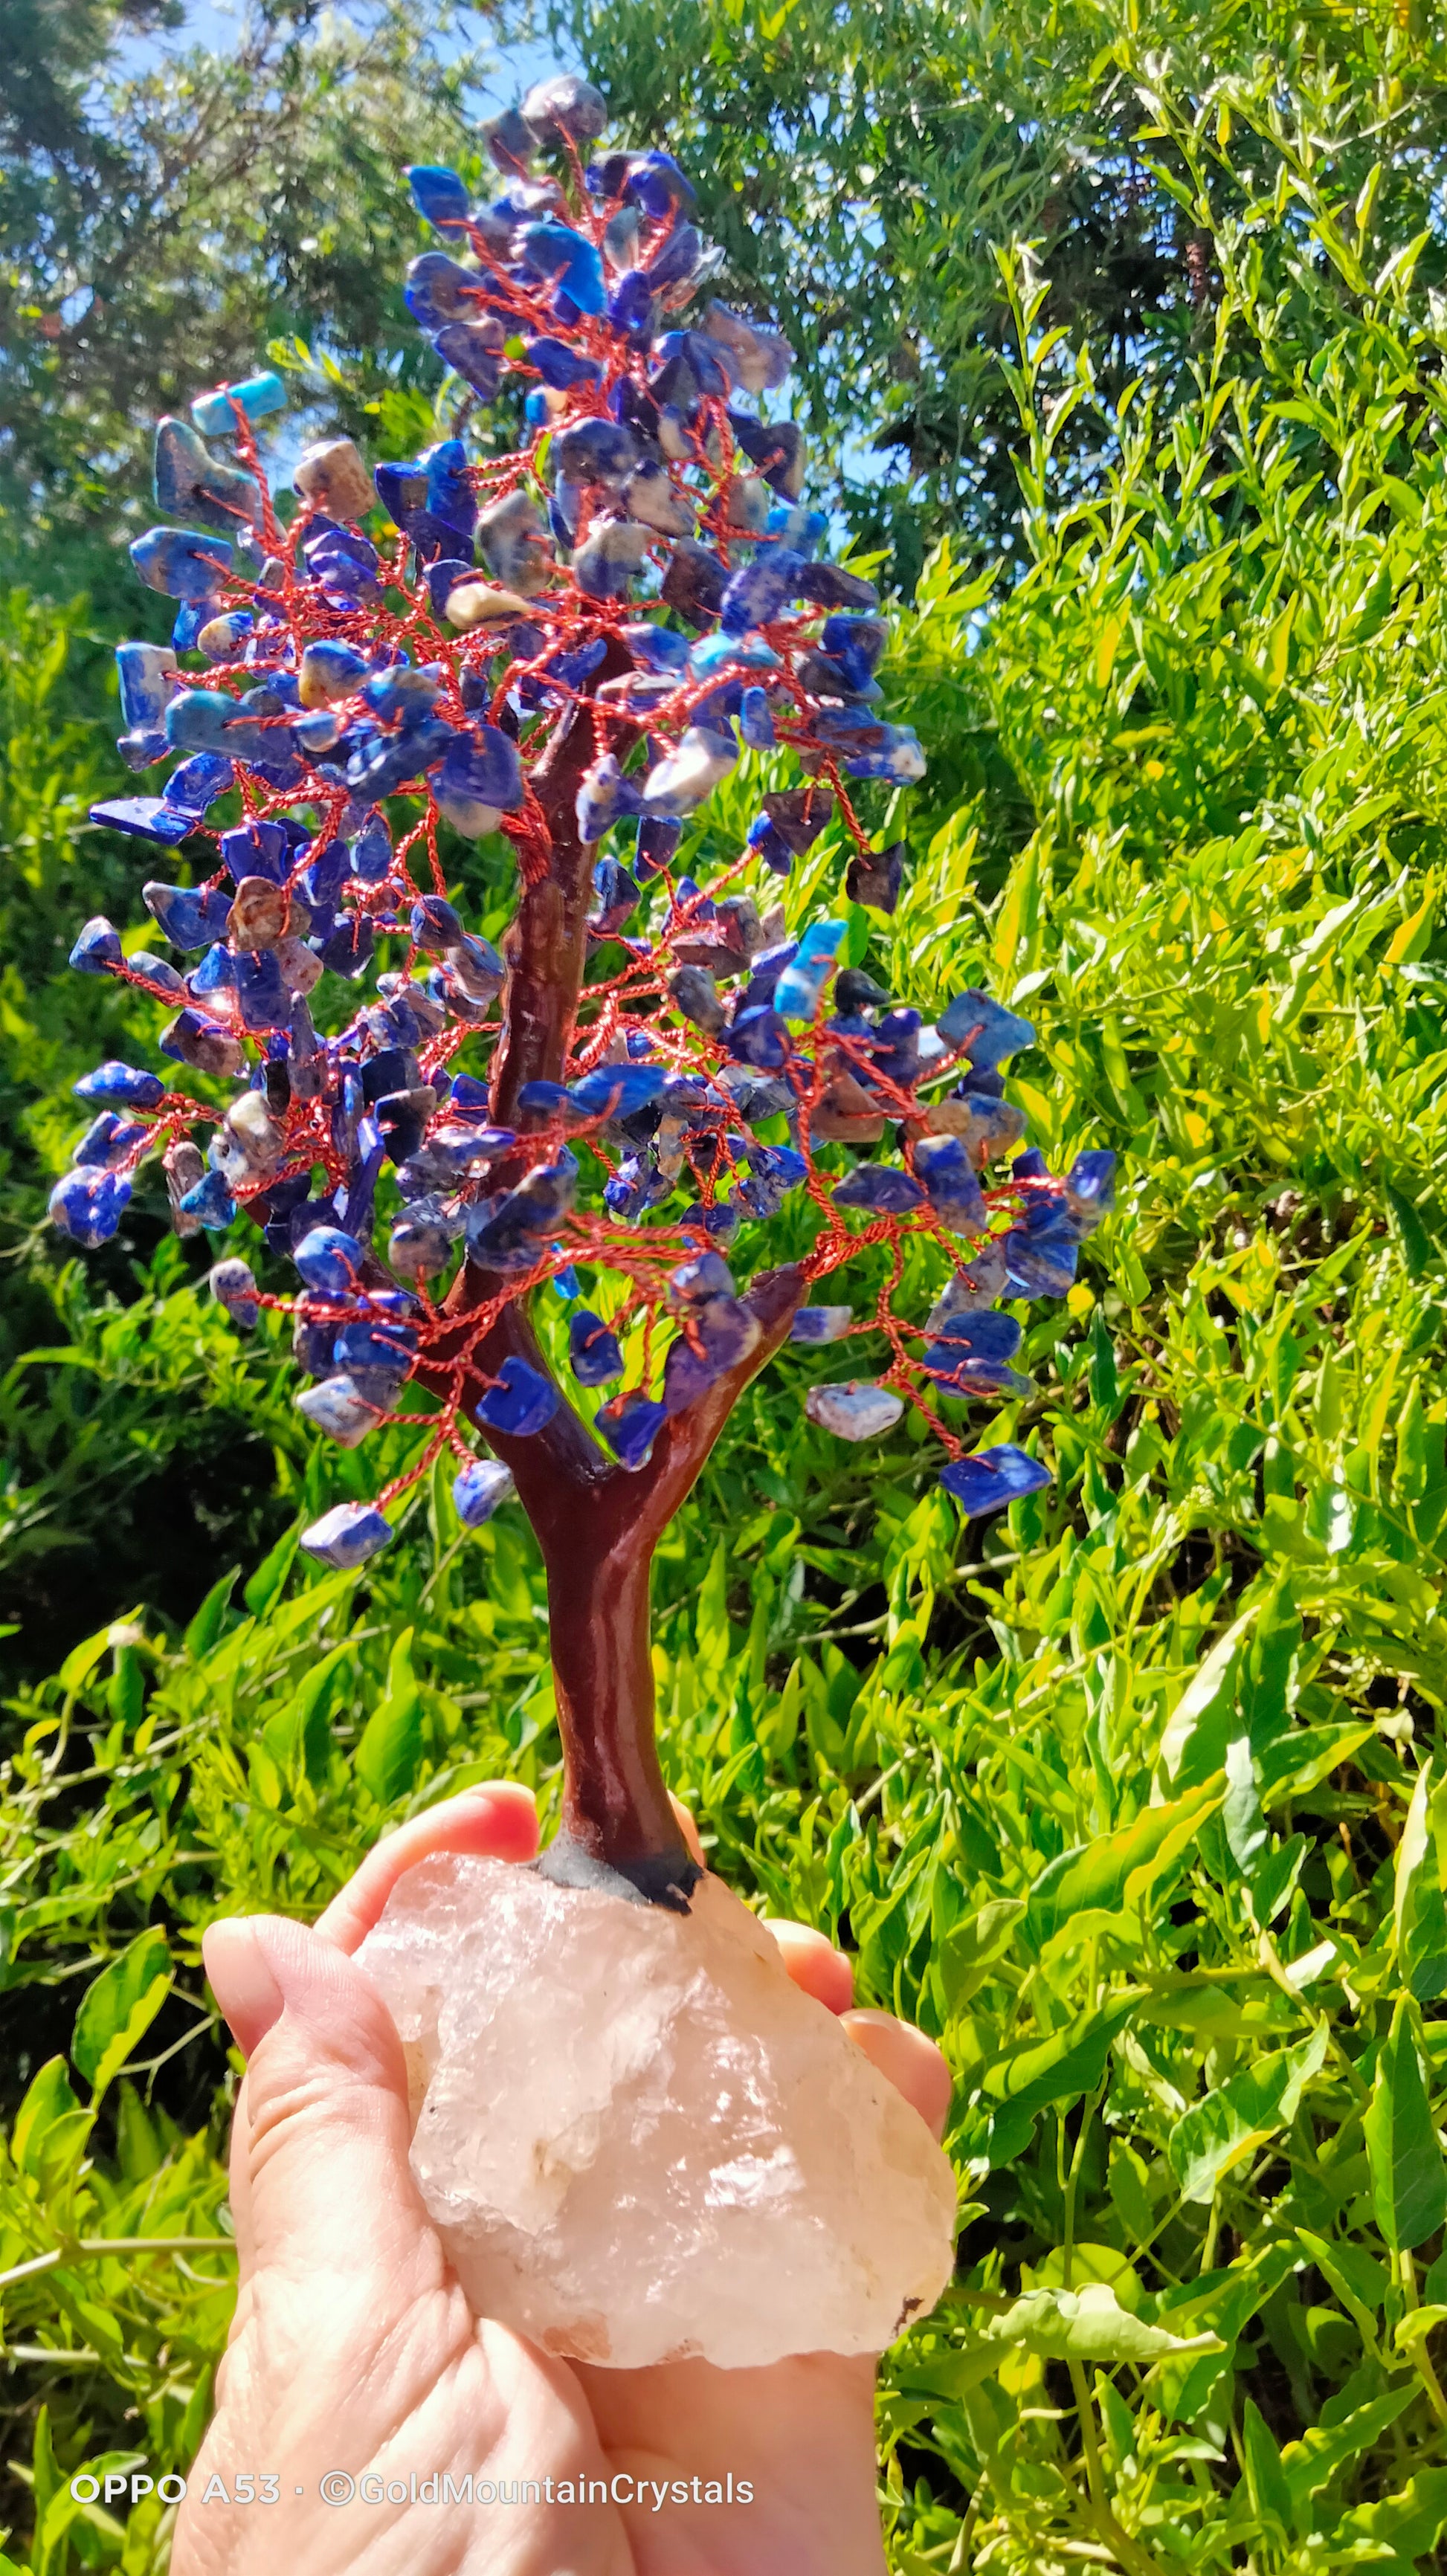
point(353, 2349)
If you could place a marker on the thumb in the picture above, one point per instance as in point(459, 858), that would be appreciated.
point(321, 2154)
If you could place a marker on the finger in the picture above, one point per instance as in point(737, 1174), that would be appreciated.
point(688, 1829)
point(240, 2187)
point(239, 2194)
point(911, 2061)
point(814, 1963)
point(323, 2131)
point(498, 1820)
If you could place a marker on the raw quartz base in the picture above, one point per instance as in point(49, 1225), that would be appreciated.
point(639, 2140)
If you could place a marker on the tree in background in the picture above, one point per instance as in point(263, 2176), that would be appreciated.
point(901, 144)
point(158, 222)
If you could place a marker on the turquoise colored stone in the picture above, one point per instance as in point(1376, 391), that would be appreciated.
point(258, 397)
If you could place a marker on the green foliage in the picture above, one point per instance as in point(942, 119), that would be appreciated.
point(131, 1426)
point(1134, 1798)
point(841, 149)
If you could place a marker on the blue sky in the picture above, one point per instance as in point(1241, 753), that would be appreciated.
point(215, 24)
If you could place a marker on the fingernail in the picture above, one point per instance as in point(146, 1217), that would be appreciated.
point(909, 2060)
point(242, 1981)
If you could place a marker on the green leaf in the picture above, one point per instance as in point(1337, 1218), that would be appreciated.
point(1275, 1878)
point(267, 1583)
point(1069, 2061)
point(1224, 2301)
point(126, 1691)
point(1270, 1666)
point(711, 1619)
point(1104, 1377)
point(51, 2129)
point(1324, 2450)
point(1222, 2130)
point(1419, 1916)
point(1089, 2324)
point(1129, 2187)
point(1360, 2282)
point(210, 1619)
point(1299, 1761)
point(1096, 1874)
point(1416, 2326)
point(43, 2467)
point(1241, 1819)
point(390, 1749)
point(1402, 2530)
point(119, 2008)
point(1418, 1249)
point(82, 1660)
point(1055, 2069)
point(1409, 2179)
point(966, 1955)
point(298, 1737)
point(1266, 2481)
point(1200, 1724)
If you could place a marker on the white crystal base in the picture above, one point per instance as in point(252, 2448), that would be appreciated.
point(639, 2140)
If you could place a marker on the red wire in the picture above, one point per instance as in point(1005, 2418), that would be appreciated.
point(629, 1000)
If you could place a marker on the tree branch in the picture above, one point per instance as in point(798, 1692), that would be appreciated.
point(684, 1445)
point(547, 947)
point(546, 952)
point(563, 1460)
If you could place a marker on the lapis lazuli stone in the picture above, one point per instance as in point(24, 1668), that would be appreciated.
point(188, 917)
point(148, 680)
point(347, 1535)
point(801, 985)
point(821, 1323)
point(985, 1030)
point(108, 1141)
point(521, 1405)
point(879, 1189)
point(330, 1261)
point(211, 1204)
point(440, 195)
point(993, 1478)
point(630, 1425)
point(759, 1037)
point(949, 1176)
point(233, 1285)
point(480, 1489)
point(1090, 1188)
point(593, 1349)
point(121, 1086)
point(180, 565)
point(198, 782)
point(1041, 1264)
point(88, 1205)
point(554, 250)
point(98, 949)
point(145, 818)
point(618, 1090)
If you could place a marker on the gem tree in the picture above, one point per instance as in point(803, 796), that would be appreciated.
point(552, 644)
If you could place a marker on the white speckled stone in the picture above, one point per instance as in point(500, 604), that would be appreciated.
point(855, 1411)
